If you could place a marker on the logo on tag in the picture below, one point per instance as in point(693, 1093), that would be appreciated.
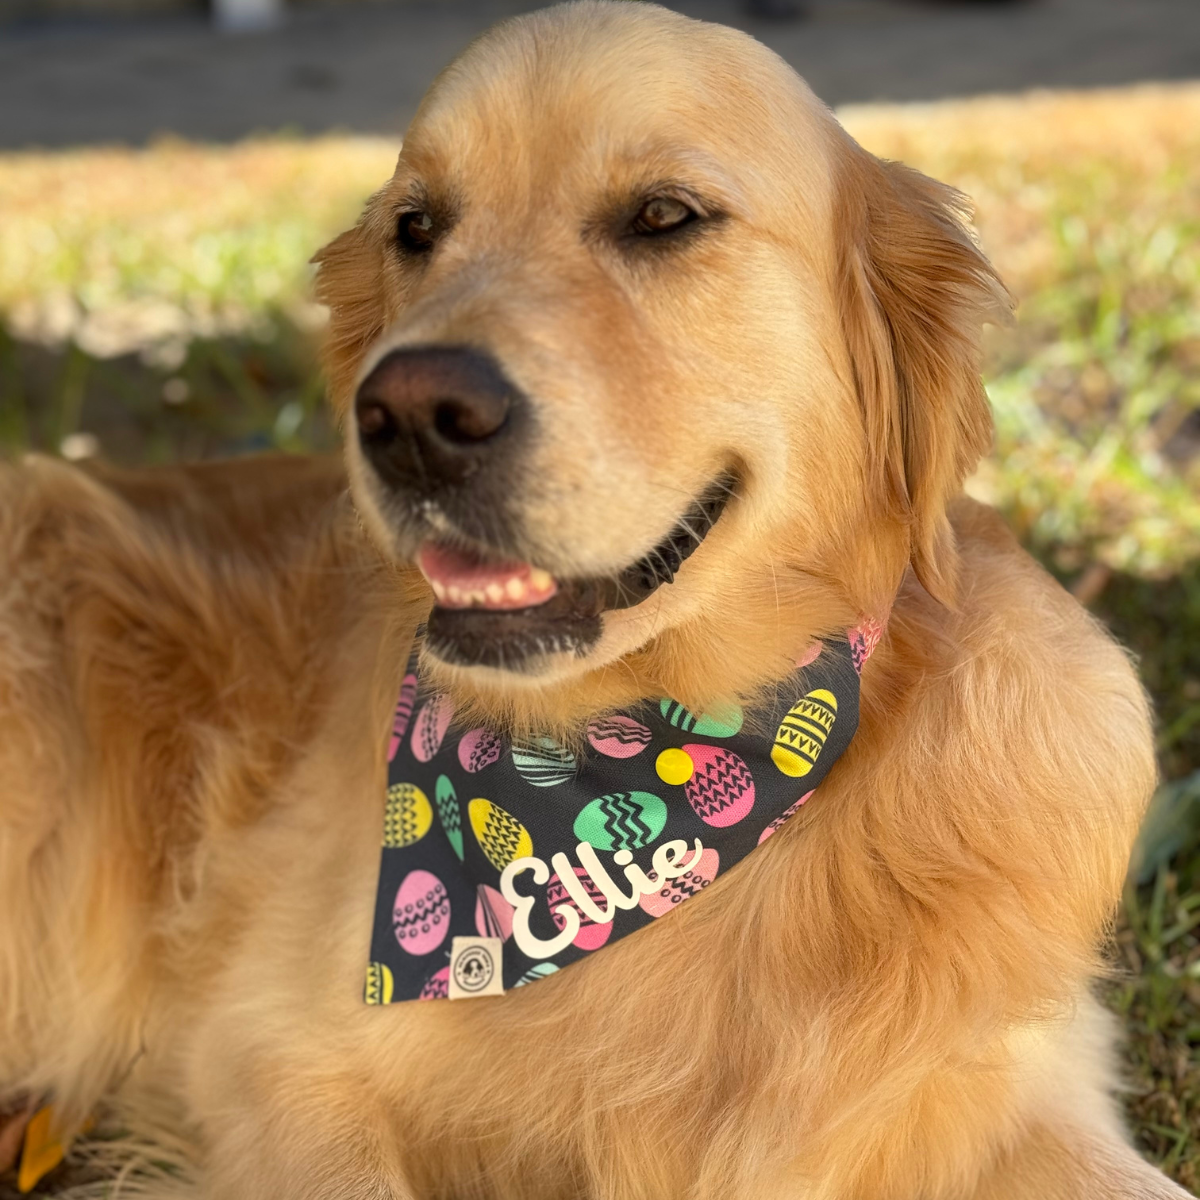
point(475, 967)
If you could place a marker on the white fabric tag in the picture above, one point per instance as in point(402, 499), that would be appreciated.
point(475, 967)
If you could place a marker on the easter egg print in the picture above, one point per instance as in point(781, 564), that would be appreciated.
point(783, 816)
point(479, 748)
point(803, 731)
point(407, 817)
point(430, 727)
point(404, 707)
point(448, 813)
point(543, 762)
point(590, 936)
point(421, 914)
point(500, 835)
point(437, 986)
point(621, 821)
point(493, 914)
point(675, 891)
point(380, 984)
point(536, 972)
point(618, 736)
point(721, 724)
point(721, 790)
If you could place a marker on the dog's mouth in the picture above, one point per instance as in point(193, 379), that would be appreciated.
point(501, 613)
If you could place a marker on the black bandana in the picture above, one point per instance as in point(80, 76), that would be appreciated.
point(505, 863)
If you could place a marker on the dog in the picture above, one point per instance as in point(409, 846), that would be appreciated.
point(652, 380)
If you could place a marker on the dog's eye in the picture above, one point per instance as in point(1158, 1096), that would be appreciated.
point(416, 231)
point(661, 215)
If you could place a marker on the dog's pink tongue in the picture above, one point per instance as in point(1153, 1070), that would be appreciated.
point(461, 580)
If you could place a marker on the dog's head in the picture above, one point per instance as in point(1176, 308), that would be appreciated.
point(638, 353)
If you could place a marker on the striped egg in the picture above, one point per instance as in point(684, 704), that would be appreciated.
point(544, 763)
point(421, 914)
point(437, 986)
point(590, 936)
point(783, 816)
point(803, 731)
point(621, 821)
point(493, 914)
point(500, 835)
point(430, 727)
point(380, 984)
point(479, 748)
point(404, 707)
point(618, 736)
point(448, 813)
point(536, 972)
point(407, 817)
point(675, 891)
point(725, 723)
point(721, 788)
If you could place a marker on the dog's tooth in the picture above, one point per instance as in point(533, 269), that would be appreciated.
point(542, 580)
point(455, 593)
point(495, 593)
point(439, 589)
point(515, 588)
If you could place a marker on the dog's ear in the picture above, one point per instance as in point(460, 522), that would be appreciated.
point(350, 283)
point(915, 291)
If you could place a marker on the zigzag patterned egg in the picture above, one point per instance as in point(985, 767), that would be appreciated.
point(380, 984)
point(544, 763)
point(448, 813)
point(536, 972)
point(590, 936)
point(675, 891)
point(621, 821)
point(479, 748)
point(437, 986)
point(421, 914)
point(493, 914)
point(430, 727)
point(500, 835)
point(723, 724)
point(790, 811)
point(618, 736)
point(400, 719)
point(407, 817)
point(721, 789)
point(803, 731)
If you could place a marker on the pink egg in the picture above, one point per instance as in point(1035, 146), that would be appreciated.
point(479, 748)
point(863, 639)
point(810, 655)
point(421, 914)
point(721, 789)
point(437, 986)
point(404, 707)
point(493, 914)
point(590, 936)
point(783, 816)
point(675, 891)
point(430, 727)
point(618, 736)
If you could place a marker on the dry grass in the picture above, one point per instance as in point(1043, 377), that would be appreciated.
point(157, 301)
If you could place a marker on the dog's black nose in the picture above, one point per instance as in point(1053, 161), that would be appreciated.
point(433, 415)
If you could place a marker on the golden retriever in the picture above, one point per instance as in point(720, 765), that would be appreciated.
point(627, 262)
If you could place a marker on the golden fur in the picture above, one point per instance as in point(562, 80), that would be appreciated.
point(887, 1001)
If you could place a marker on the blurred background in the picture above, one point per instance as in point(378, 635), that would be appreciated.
point(168, 167)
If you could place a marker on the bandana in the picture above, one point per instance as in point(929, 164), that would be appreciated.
point(504, 863)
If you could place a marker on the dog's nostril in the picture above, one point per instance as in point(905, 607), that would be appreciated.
point(374, 421)
point(462, 423)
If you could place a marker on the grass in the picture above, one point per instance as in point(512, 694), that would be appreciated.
point(153, 304)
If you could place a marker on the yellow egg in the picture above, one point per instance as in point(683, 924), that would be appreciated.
point(674, 766)
point(803, 731)
point(407, 817)
point(499, 834)
point(379, 984)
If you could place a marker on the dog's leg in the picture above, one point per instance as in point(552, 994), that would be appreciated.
point(1059, 1162)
